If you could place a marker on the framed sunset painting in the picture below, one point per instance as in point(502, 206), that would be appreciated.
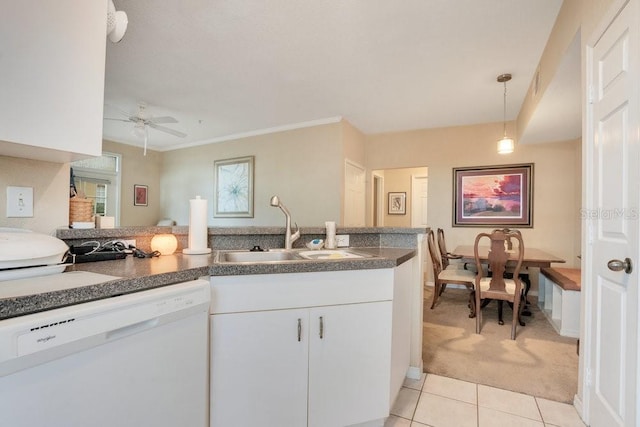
point(493, 196)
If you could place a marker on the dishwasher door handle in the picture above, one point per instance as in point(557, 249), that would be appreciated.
point(132, 329)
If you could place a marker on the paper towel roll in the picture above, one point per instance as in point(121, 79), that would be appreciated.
point(330, 241)
point(198, 232)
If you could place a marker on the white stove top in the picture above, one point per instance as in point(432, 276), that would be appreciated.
point(52, 282)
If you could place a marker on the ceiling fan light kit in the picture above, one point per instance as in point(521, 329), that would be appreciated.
point(117, 22)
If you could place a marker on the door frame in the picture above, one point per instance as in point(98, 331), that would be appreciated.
point(377, 208)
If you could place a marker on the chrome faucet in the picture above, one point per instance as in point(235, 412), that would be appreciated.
point(288, 237)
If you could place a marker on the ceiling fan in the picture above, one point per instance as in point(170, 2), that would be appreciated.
point(143, 121)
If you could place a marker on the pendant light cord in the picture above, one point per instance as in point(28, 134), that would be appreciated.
point(504, 112)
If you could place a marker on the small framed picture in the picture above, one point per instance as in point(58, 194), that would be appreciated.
point(397, 203)
point(140, 193)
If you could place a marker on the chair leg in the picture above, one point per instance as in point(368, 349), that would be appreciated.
point(500, 304)
point(472, 304)
point(443, 286)
point(478, 312)
point(436, 293)
point(517, 308)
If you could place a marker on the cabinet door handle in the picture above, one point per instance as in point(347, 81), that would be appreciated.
point(299, 329)
point(321, 327)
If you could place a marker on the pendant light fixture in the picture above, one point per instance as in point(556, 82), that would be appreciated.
point(506, 144)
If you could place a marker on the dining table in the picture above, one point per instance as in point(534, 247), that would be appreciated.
point(532, 258)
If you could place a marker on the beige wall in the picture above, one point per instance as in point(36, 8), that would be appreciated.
point(556, 179)
point(304, 167)
point(575, 16)
point(50, 183)
point(138, 169)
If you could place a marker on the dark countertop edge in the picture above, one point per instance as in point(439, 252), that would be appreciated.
point(137, 275)
point(67, 233)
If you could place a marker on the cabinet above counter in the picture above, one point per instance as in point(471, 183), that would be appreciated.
point(53, 80)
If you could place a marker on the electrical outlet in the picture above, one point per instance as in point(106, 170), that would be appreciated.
point(127, 243)
point(131, 242)
point(19, 202)
point(342, 240)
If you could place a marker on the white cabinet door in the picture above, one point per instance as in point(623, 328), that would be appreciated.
point(259, 368)
point(53, 67)
point(349, 358)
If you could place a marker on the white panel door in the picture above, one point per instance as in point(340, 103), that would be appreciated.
point(259, 368)
point(419, 193)
point(354, 201)
point(349, 360)
point(612, 159)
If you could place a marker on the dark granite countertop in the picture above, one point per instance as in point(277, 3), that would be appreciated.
point(135, 274)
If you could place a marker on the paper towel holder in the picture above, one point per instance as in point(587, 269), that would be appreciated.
point(200, 205)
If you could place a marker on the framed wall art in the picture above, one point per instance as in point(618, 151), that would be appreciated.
point(140, 195)
point(397, 203)
point(493, 196)
point(233, 185)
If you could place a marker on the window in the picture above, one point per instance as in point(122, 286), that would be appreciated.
point(99, 179)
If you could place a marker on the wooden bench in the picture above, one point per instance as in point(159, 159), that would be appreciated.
point(559, 299)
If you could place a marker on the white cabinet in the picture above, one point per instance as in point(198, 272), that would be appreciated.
point(349, 363)
point(259, 369)
point(280, 359)
point(52, 90)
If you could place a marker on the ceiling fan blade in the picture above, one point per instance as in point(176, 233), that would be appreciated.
point(167, 130)
point(120, 110)
point(164, 119)
point(118, 120)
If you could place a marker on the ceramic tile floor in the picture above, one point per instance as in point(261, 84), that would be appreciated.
point(437, 401)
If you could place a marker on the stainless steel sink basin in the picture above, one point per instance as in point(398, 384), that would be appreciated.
point(266, 256)
point(284, 255)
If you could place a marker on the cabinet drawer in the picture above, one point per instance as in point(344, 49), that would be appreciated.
point(232, 294)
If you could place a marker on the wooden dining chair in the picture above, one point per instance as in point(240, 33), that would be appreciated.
point(523, 274)
point(449, 260)
point(495, 286)
point(453, 276)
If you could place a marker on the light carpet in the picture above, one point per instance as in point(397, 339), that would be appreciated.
point(539, 362)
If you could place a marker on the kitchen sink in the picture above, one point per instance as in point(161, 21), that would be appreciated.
point(257, 256)
point(281, 255)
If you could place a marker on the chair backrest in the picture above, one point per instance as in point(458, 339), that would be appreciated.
point(443, 249)
point(498, 256)
point(508, 231)
point(436, 260)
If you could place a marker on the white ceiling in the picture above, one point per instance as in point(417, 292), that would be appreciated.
point(232, 67)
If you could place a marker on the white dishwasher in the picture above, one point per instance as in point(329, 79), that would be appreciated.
point(138, 360)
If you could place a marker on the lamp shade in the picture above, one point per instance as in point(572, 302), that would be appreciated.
point(505, 146)
point(166, 244)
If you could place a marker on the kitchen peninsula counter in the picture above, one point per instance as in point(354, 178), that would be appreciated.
point(136, 274)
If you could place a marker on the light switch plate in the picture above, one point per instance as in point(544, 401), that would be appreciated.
point(19, 202)
point(342, 240)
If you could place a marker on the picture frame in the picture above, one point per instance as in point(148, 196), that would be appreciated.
point(140, 195)
point(233, 187)
point(397, 203)
point(493, 196)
